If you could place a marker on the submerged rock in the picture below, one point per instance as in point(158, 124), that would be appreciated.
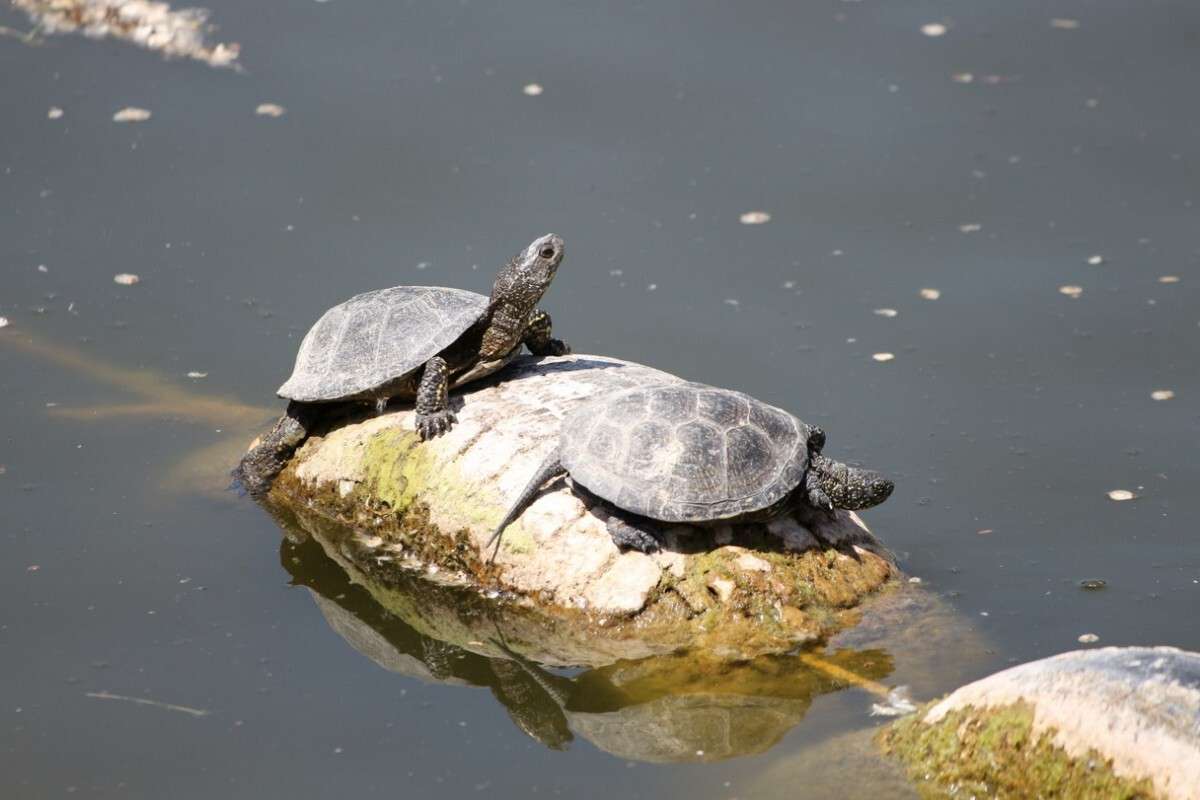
point(374, 492)
point(1113, 722)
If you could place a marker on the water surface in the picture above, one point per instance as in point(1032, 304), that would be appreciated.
point(410, 154)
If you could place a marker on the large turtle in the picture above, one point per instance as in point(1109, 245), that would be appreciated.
point(410, 342)
point(690, 453)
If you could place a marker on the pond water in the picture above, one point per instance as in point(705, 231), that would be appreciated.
point(1027, 149)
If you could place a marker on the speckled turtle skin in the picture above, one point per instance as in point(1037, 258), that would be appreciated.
point(409, 342)
point(690, 453)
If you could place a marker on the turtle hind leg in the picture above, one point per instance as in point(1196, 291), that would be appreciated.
point(434, 416)
point(258, 468)
point(629, 531)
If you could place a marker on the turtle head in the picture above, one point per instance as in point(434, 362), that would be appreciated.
point(851, 488)
point(526, 278)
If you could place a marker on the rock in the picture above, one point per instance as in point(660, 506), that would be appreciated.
point(370, 479)
point(1111, 722)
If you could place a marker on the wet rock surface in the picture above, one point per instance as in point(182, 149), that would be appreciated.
point(1111, 722)
point(371, 490)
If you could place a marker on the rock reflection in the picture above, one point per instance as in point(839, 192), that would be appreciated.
point(665, 708)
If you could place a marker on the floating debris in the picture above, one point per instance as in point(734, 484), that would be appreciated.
point(42, 268)
point(754, 218)
point(897, 703)
point(1093, 584)
point(270, 110)
point(931, 294)
point(1169, 279)
point(152, 25)
point(131, 114)
point(886, 312)
point(881, 357)
point(1089, 638)
point(1096, 260)
point(934, 29)
point(533, 89)
point(1064, 24)
point(126, 278)
point(729, 301)
point(970, 227)
point(142, 701)
point(1072, 292)
point(195, 374)
point(54, 113)
point(3, 322)
point(1120, 495)
point(962, 77)
point(1162, 394)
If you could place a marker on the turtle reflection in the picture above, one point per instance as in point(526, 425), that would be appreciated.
point(681, 707)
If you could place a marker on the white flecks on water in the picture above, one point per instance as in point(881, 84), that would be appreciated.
point(970, 227)
point(131, 114)
point(1088, 638)
point(270, 110)
point(1071, 291)
point(533, 89)
point(881, 357)
point(3, 322)
point(755, 218)
point(1162, 394)
point(1064, 24)
point(886, 312)
point(126, 278)
point(54, 113)
point(931, 294)
point(962, 77)
point(1169, 279)
point(1121, 495)
point(934, 29)
point(43, 268)
point(1095, 260)
point(196, 374)
point(729, 301)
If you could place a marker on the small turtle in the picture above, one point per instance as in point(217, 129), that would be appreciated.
point(690, 453)
point(409, 342)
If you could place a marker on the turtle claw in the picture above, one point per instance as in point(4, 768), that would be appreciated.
point(431, 426)
point(628, 536)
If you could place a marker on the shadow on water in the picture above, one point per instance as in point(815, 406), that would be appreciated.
point(679, 707)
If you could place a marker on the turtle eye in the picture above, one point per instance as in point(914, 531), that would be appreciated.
point(547, 252)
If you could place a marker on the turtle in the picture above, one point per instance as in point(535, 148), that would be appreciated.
point(409, 342)
point(689, 453)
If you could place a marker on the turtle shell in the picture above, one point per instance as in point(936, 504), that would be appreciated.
point(375, 338)
point(684, 452)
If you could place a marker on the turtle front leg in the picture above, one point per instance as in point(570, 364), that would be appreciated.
point(629, 531)
point(434, 416)
point(267, 459)
point(538, 337)
point(816, 496)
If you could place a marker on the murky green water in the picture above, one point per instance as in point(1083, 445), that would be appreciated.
point(410, 154)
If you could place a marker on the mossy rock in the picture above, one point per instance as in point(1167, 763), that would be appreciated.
point(391, 502)
point(1109, 724)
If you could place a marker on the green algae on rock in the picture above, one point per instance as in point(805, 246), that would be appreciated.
point(396, 503)
point(1109, 723)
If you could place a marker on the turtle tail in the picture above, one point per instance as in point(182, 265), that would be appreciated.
point(551, 467)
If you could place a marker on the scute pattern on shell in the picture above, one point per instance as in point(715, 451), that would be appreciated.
point(377, 337)
point(684, 452)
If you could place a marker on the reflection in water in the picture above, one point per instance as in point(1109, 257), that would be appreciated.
point(682, 707)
